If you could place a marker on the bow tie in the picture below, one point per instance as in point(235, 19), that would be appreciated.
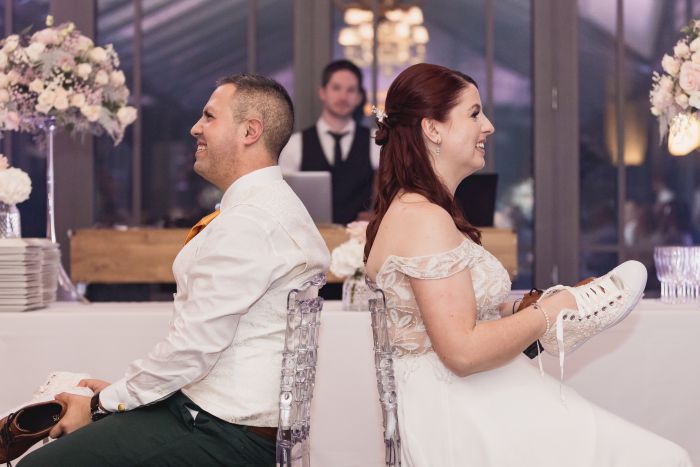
point(199, 226)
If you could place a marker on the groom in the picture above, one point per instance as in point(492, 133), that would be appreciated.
point(207, 393)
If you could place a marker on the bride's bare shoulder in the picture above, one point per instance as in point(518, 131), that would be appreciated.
point(418, 227)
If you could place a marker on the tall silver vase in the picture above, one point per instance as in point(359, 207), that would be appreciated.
point(66, 289)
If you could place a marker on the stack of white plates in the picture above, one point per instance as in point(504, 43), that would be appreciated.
point(28, 273)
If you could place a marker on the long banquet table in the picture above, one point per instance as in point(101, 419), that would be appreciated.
point(645, 369)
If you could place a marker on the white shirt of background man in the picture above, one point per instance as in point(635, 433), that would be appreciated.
point(290, 158)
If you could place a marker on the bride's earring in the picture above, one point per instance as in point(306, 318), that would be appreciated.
point(437, 149)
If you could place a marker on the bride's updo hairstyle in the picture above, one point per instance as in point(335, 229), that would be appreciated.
point(420, 91)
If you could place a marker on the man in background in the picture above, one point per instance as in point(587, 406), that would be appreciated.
point(338, 144)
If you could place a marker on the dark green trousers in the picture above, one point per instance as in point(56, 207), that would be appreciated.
point(162, 434)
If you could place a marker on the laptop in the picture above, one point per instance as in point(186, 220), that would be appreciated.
point(314, 190)
point(476, 196)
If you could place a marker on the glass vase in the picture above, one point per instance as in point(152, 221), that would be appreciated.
point(10, 226)
point(356, 293)
point(67, 292)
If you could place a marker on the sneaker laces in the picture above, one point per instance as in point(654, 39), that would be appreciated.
point(588, 303)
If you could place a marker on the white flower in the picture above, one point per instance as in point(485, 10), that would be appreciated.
point(4, 163)
point(666, 83)
point(681, 50)
point(117, 78)
point(695, 45)
point(357, 231)
point(11, 121)
point(102, 78)
point(655, 112)
point(98, 55)
point(37, 86)
point(670, 65)
point(347, 258)
point(77, 100)
point(34, 51)
point(682, 100)
point(4, 96)
point(48, 36)
point(61, 100)
point(83, 43)
point(126, 115)
point(13, 76)
point(694, 100)
point(47, 97)
point(91, 112)
point(661, 99)
point(11, 43)
point(44, 108)
point(83, 70)
point(3, 60)
point(15, 186)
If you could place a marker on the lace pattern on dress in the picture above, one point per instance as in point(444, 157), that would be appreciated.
point(406, 328)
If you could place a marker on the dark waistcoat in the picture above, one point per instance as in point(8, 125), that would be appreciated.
point(352, 181)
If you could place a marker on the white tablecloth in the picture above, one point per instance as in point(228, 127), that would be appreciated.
point(645, 369)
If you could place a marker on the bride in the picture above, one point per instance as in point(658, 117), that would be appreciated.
point(466, 397)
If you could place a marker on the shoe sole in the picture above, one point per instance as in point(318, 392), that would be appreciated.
point(624, 315)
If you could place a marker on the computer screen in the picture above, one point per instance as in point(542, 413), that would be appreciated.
point(314, 190)
point(476, 196)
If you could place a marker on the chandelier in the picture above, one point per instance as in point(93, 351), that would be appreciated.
point(401, 36)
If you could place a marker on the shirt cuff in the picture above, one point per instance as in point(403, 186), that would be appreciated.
point(116, 398)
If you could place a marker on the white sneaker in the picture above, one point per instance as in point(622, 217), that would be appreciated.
point(602, 303)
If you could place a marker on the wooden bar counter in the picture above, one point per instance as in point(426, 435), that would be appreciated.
point(133, 256)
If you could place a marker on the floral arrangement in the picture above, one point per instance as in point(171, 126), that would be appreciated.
point(347, 259)
point(676, 92)
point(58, 72)
point(15, 184)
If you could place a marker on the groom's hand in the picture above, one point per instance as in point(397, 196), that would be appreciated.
point(77, 414)
point(96, 385)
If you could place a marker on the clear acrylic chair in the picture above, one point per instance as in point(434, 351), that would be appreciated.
point(299, 373)
point(386, 383)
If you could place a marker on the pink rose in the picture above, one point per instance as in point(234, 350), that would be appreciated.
point(689, 79)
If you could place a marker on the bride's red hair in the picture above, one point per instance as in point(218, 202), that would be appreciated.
point(420, 91)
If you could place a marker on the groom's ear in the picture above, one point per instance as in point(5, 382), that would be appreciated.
point(253, 131)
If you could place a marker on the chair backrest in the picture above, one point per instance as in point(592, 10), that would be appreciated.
point(386, 383)
point(299, 372)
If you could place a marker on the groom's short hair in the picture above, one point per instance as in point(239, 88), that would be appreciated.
point(266, 99)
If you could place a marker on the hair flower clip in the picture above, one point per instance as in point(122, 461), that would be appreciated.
point(379, 114)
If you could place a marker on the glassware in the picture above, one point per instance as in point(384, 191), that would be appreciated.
point(10, 226)
point(356, 293)
point(678, 271)
point(66, 289)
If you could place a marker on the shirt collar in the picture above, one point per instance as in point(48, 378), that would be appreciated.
point(260, 177)
point(323, 127)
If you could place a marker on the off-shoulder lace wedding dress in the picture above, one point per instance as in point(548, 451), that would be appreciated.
point(507, 417)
